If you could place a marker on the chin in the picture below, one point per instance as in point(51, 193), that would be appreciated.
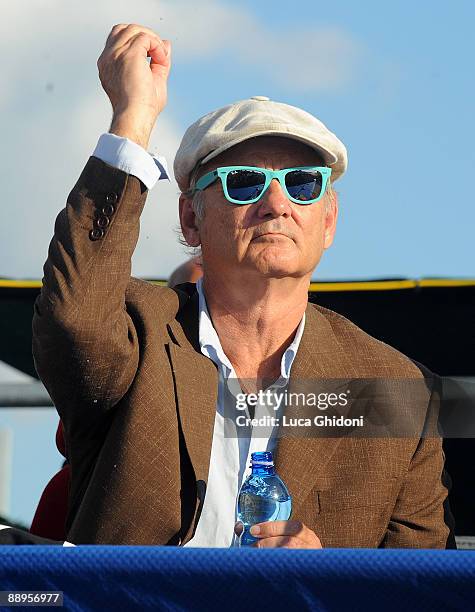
point(275, 268)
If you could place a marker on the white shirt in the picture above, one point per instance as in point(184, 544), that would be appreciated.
point(230, 454)
point(130, 157)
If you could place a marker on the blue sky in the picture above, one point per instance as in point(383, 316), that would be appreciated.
point(394, 81)
point(406, 116)
point(35, 457)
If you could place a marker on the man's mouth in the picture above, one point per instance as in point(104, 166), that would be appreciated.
point(271, 235)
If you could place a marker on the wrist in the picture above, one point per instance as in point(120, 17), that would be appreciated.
point(132, 128)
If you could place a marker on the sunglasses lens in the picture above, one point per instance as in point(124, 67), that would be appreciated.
point(304, 185)
point(245, 185)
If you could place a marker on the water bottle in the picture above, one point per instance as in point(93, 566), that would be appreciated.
point(263, 496)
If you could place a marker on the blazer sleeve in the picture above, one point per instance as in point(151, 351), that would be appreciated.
point(85, 344)
point(421, 517)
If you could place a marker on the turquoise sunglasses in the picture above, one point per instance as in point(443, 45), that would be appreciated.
point(247, 184)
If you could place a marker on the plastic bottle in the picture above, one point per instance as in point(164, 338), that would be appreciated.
point(263, 496)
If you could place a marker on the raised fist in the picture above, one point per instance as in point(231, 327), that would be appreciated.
point(137, 90)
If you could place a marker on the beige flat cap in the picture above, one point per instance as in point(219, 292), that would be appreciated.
point(258, 116)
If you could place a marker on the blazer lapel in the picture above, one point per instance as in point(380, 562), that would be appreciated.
point(320, 363)
point(196, 383)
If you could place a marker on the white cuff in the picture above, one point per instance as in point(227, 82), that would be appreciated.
point(130, 157)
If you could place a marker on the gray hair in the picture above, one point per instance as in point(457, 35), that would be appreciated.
point(197, 198)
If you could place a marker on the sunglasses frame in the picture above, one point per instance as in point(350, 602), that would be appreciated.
point(222, 173)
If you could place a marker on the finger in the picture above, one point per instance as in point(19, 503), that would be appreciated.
point(115, 31)
point(147, 46)
point(282, 542)
point(128, 33)
point(278, 528)
point(127, 36)
point(168, 46)
point(238, 528)
point(159, 62)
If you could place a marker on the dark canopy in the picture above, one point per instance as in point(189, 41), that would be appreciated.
point(431, 320)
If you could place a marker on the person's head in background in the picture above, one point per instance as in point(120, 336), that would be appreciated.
point(188, 272)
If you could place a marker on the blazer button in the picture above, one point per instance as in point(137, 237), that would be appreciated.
point(102, 221)
point(111, 198)
point(96, 234)
point(108, 210)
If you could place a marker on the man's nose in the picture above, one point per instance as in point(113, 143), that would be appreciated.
point(274, 202)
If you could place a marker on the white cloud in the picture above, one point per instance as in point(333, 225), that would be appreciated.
point(54, 108)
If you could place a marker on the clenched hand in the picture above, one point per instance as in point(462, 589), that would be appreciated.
point(137, 90)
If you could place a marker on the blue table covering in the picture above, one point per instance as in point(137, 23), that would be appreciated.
point(165, 578)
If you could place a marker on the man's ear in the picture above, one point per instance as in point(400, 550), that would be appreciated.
point(188, 221)
point(331, 216)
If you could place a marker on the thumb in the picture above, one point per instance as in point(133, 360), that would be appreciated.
point(168, 47)
point(161, 69)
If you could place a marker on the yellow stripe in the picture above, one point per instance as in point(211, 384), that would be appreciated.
point(447, 282)
point(391, 285)
point(26, 284)
point(330, 286)
point(363, 286)
point(22, 284)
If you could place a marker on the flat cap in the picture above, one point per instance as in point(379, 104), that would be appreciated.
point(258, 116)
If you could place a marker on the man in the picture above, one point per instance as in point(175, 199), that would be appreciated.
point(139, 373)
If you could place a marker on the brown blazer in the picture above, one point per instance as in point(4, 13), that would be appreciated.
point(121, 361)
